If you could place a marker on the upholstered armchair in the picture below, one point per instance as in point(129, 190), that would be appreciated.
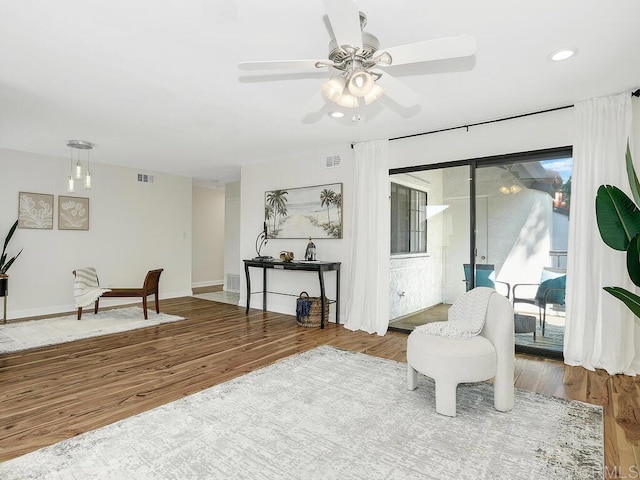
point(490, 354)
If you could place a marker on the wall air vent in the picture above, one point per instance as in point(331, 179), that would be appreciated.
point(332, 161)
point(145, 178)
point(233, 282)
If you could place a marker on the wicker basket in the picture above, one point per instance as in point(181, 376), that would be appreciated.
point(309, 310)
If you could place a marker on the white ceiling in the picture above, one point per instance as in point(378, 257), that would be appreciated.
point(155, 85)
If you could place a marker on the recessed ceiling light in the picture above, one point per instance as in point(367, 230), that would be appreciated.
point(562, 54)
point(336, 114)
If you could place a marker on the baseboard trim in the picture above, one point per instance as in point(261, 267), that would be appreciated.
point(208, 283)
point(71, 308)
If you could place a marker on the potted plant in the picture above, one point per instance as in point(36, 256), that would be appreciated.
point(618, 219)
point(5, 264)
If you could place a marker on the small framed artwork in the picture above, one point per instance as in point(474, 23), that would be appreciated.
point(73, 213)
point(304, 212)
point(35, 210)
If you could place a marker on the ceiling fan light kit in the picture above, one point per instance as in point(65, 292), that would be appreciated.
point(347, 100)
point(354, 53)
point(333, 88)
point(374, 94)
point(360, 83)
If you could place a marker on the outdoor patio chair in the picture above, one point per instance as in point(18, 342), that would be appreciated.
point(485, 277)
point(550, 291)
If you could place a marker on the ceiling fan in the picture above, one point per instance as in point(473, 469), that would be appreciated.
point(358, 63)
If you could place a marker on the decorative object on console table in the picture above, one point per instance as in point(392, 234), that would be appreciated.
point(286, 256)
point(261, 240)
point(309, 311)
point(298, 212)
point(310, 252)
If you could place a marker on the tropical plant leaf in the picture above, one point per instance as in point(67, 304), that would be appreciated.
point(631, 300)
point(617, 216)
point(6, 266)
point(633, 178)
point(9, 235)
point(633, 260)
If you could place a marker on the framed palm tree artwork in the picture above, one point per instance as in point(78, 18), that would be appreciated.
point(304, 212)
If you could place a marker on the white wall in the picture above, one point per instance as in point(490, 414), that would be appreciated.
point(208, 236)
point(548, 130)
point(300, 170)
point(134, 227)
point(232, 257)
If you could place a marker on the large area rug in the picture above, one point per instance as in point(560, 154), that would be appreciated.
point(50, 331)
point(332, 414)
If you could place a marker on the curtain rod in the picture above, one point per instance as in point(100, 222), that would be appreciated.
point(513, 117)
point(635, 93)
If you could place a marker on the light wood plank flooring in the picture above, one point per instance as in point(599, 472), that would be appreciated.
point(52, 393)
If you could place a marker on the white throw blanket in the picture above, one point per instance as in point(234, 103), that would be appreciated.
point(466, 316)
point(86, 288)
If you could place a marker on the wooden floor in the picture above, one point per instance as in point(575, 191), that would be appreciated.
point(551, 343)
point(52, 393)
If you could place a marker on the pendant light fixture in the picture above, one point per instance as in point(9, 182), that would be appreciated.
point(77, 172)
point(71, 182)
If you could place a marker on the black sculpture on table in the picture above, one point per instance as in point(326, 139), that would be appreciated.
point(262, 240)
point(310, 252)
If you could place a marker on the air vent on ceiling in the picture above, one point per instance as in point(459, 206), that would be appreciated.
point(332, 161)
point(145, 178)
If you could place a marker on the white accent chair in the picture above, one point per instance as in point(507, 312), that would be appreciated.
point(491, 354)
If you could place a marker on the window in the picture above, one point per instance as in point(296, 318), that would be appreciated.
point(408, 220)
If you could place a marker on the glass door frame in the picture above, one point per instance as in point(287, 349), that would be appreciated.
point(481, 162)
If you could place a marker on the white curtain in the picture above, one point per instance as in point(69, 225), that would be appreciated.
point(600, 330)
point(367, 306)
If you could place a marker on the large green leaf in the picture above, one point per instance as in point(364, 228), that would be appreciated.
point(633, 178)
point(631, 300)
point(633, 260)
point(9, 235)
point(617, 216)
point(5, 266)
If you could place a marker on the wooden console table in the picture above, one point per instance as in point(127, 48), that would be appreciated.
point(305, 266)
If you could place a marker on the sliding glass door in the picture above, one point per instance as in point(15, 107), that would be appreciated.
point(522, 231)
point(429, 243)
point(517, 207)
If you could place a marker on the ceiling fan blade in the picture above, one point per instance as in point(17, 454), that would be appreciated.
point(344, 16)
point(280, 65)
point(438, 49)
point(398, 91)
point(315, 108)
